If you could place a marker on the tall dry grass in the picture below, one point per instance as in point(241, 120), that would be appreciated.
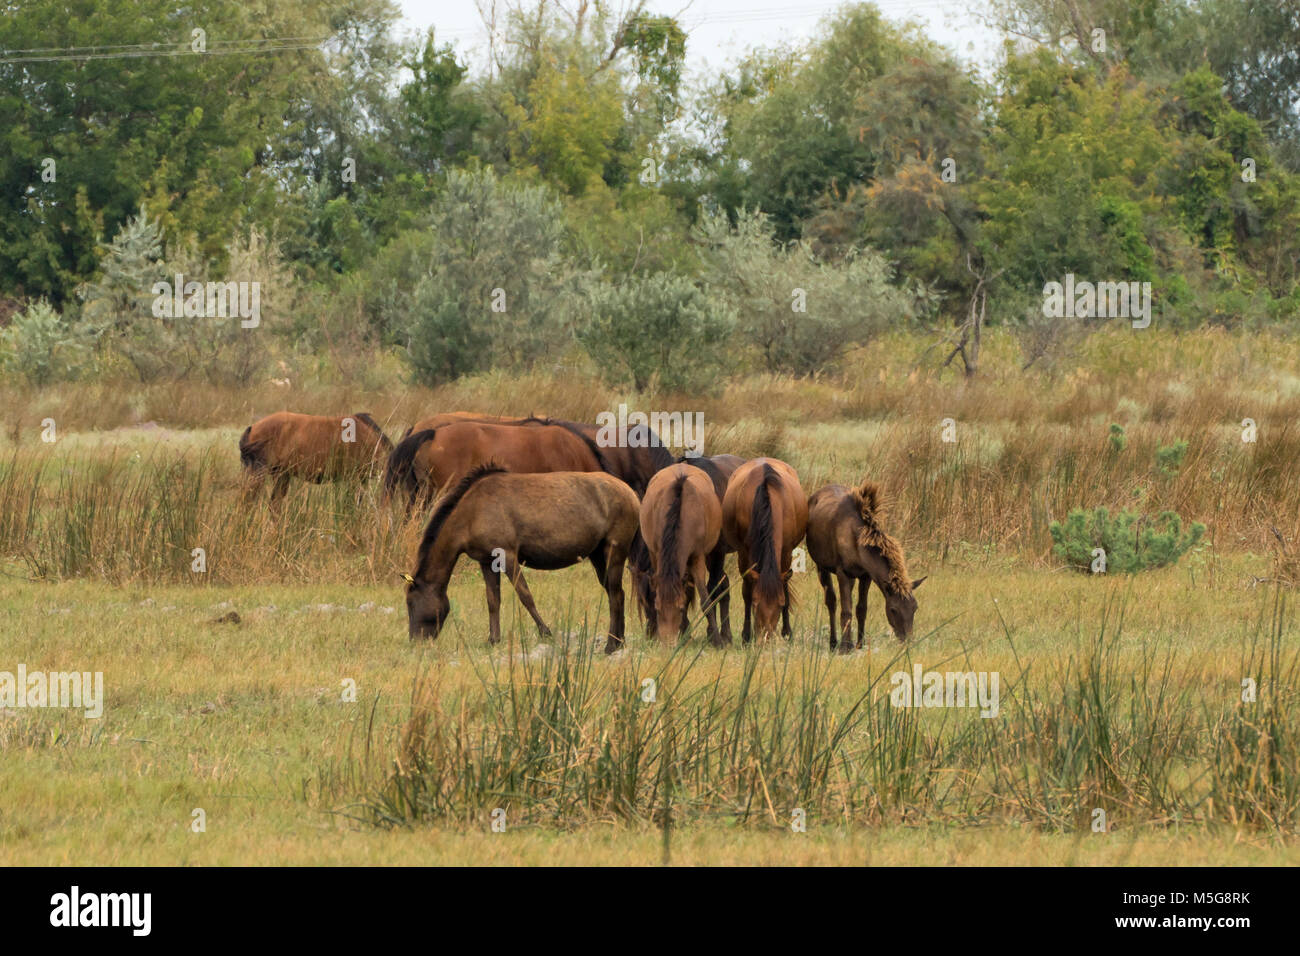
point(563, 740)
point(1028, 450)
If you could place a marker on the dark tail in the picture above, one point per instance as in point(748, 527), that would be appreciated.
point(669, 580)
point(400, 471)
point(762, 543)
point(250, 452)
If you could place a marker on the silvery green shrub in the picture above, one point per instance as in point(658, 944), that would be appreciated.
point(657, 328)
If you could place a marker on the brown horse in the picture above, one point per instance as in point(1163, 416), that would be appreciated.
point(845, 539)
point(315, 448)
point(764, 515)
point(438, 457)
point(719, 468)
point(681, 522)
point(506, 521)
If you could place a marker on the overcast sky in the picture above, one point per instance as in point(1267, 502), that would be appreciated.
point(719, 31)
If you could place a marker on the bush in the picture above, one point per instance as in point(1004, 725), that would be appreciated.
point(1169, 458)
point(845, 303)
point(655, 328)
point(1118, 440)
point(1132, 542)
point(39, 345)
point(493, 278)
point(119, 308)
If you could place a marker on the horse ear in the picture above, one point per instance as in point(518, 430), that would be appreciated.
point(918, 582)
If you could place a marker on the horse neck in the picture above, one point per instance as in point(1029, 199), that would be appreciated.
point(877, 567)
point(440, 560)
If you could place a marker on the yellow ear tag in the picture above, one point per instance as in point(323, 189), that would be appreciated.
point(407, 578)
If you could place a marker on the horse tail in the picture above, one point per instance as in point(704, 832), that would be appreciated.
point(251, 453)
point(762, 539)
point(669, 580)
point(400, 470)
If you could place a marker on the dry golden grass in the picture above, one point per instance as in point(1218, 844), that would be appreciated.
point(96, 534)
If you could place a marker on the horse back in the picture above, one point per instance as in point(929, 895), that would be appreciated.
point(699, 512)
point(833, 523)
point(311, 446)
point(784, 491)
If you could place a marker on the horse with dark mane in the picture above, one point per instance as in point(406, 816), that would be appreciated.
point(764, 515)
point(508, 521)
point(845, 539)
point(681, 521)
point(436, 458)
point(314, 448)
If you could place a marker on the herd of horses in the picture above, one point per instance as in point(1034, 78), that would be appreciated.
point(544, 493)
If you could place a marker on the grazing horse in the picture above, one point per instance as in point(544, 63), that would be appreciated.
point(506, 521)
point(719, 468)
point(681, 522)
point(314, 448)
point(845, 539)
point(437, 457)
point(764, 514)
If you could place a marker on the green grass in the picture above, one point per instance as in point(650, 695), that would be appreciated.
point(247, 722)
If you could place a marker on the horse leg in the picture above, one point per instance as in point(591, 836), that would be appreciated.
point(688, 590)
point(492, 581)
point(516, 574)
point(638, 562)
point(614, 559)
point(747, 595)
point(252, 484)
point(828, 591)
point(701, 574)
point(864, 585)
point(278, 491)
point(846, 611)
point(720, 593)
point(600, 562)
point(785, 610)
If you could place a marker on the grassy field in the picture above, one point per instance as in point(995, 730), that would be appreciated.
point(1121, 694)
